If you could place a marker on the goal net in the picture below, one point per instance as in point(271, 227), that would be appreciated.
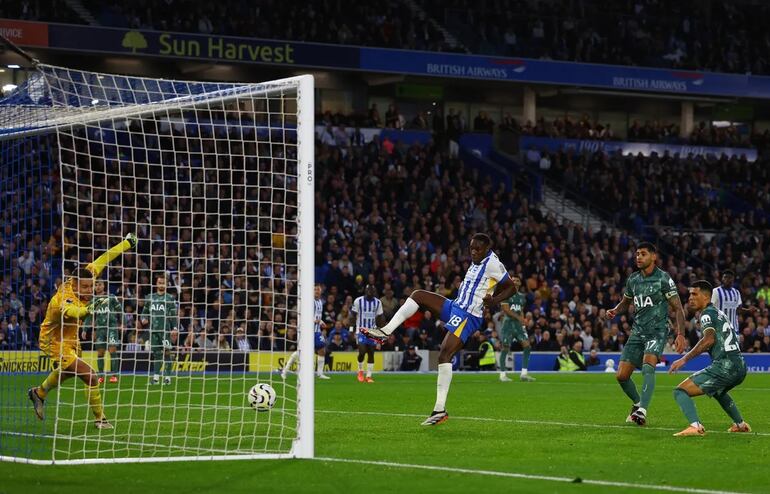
point(216, 182)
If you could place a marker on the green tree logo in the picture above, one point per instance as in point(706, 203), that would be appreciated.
point(135, 41)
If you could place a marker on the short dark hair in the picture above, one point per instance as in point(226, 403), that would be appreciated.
point(728, 272)
point(703, 286)
point(649, 246)
point(482, 237)
point(82, 273)
point(160, 274)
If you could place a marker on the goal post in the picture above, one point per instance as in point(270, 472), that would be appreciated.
point(304, 446)
point(216, 180)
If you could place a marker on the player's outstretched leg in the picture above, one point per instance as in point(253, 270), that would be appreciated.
point(410, 307)
point(683, 395)
point(451, 345)
point(625, 369)
point(419, 298)
point(292, 358)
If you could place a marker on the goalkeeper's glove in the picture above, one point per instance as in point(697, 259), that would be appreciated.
point(79, 312)
point(132, 240)
point(72, 310)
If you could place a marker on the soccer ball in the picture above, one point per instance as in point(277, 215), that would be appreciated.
point(262, 397)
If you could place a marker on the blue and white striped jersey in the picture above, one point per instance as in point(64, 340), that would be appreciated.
point(728, 300)
point(479, 281)
point(367, 311)
point(318, 312)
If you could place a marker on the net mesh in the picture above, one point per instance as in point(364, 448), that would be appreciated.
point(206, 176)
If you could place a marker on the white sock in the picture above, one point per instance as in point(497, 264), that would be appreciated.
point(523, 372)
point(502, 374)
point(643, 411)
point(405, 312)
point(695, 424)
point(442, 386)
point(320, 364)
point(155, 377)
point(292, 358)
point(369, 369)
point(360, 366)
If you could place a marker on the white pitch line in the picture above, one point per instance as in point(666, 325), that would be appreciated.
point(493, 473)
point(126, 442)
point(527, 422)
point(94, 439)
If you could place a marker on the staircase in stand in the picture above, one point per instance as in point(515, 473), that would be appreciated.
point(80, 9)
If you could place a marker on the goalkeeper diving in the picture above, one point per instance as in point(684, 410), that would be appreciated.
point(73, 302)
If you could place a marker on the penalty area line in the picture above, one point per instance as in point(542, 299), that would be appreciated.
point(548, 478)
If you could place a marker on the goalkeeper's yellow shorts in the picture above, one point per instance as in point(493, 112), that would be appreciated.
point(64, 356)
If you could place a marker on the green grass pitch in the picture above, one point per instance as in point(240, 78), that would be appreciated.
point(523, 437)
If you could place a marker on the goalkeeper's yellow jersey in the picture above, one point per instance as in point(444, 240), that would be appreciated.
point(58, 328)
point(65, 310)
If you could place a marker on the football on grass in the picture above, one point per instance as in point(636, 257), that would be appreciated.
point(262, 397)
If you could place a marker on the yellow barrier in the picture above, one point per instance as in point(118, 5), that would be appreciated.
point(340, 361)
point(37, 361)
point(24, 361)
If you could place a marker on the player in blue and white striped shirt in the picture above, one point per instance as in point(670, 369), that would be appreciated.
point(320, 340)
point(486, 283)
point(368, 310)
point(728, 299)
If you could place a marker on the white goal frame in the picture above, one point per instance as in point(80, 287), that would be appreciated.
point(44, 120)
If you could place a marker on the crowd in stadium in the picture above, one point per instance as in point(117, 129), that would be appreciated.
point(385, 217)
point(366, 22)
point(681, 192)
point(53, 11)
point(567, 271)
point(715, 36)
point(581, 126)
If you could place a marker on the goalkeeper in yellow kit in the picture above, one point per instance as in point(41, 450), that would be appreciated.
point(59, 333)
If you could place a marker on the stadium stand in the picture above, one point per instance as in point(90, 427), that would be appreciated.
point(375, 225)
point(714, 36)
point(367, 23)
point(692, 193)
point(28, 10)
